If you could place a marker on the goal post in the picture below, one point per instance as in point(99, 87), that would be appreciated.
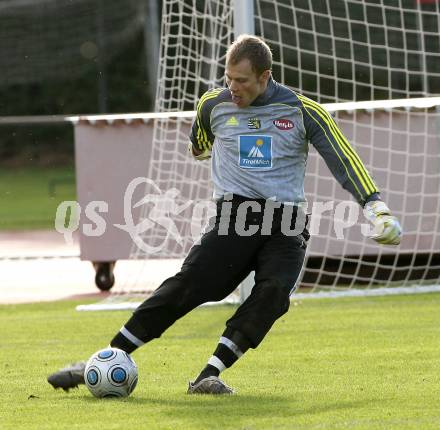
point(244, 22)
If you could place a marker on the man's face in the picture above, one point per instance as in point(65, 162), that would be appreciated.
point(244, 84)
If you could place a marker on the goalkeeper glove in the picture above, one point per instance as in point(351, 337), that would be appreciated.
point(204, 155)
point(387, 229)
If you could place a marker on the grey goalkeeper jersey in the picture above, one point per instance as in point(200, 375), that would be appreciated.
point(260, 151)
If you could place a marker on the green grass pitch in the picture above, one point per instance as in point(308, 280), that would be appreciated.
point(353, 363)
point(30, 196)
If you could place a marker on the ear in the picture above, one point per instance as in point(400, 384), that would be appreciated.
point(265, 75)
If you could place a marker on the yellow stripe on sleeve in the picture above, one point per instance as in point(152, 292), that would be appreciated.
point(352, 157)
point(207, 96)
point(202, 137)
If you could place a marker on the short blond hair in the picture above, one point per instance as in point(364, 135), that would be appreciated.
point(252, 48)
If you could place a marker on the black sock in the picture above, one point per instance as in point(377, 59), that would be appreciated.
point(231, 347)
point(121, 342)
point(206, 372)
point(225, 355)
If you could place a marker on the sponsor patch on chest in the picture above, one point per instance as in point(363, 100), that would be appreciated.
point(283, 124)
point(255, 152)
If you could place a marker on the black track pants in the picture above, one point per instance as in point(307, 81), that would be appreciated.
point(215, 267)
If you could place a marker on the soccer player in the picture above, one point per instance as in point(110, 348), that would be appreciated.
point(256, 132)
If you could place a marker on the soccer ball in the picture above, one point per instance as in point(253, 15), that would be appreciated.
point(111, 372)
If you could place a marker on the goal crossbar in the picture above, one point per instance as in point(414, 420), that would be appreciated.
point(367, 105)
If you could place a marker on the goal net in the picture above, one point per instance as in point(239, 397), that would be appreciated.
point(344, 54)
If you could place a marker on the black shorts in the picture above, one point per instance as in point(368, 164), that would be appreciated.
point(223, 259)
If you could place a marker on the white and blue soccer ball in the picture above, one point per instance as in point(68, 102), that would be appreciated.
point(111, 372)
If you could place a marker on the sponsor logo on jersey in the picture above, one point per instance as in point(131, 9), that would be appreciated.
point(232, 121)
point(254, 123)
point(255, 152)
point(283, 124)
